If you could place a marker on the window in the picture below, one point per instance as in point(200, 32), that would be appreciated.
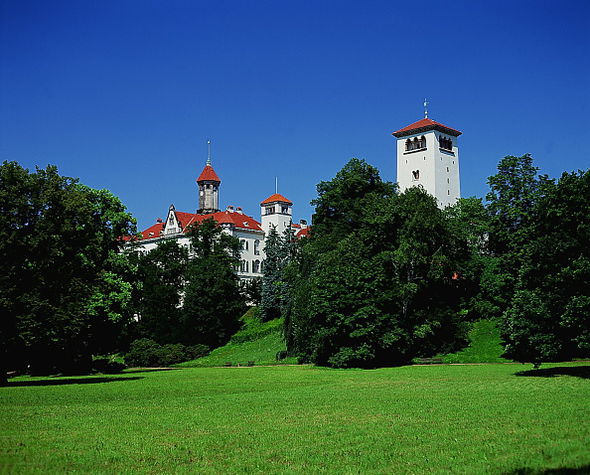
point(242, 266)
point(448, 181)
point(285, 209)
point(415, 144)
point(256, 266)
point(256, 247)
point(246, 265)
point(415, 175)
point(446, 143)
point(448, 192)
point(171, 220)
point(270, 210)
point(242, 244)
point(447, 169)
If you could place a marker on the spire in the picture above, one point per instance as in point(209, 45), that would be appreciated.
point(208, 153)
point(425, 109)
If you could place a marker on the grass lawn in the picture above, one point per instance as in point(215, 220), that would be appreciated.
point(422, 419)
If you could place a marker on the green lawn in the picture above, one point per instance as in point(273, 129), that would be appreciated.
point(421, 419)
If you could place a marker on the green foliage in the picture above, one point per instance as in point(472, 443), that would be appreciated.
point(161, 272)
point(213, 301)
point(279, 251)
point(548, 319)
point(405, 420)
point(147, 353)
point(64, 286)
point(381, 292)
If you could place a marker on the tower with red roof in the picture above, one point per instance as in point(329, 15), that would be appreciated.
point(208, 183)
point(428, 156)
point(276, 211)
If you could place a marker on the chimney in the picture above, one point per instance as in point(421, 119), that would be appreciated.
point(230, 209)
point(239, 210)
point(303, 223)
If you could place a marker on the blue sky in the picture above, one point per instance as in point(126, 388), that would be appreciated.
point(125, 94)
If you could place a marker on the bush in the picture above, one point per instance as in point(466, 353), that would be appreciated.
point(107, 366)
point(146, 352)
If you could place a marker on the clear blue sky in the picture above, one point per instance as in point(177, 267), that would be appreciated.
point(124, 94)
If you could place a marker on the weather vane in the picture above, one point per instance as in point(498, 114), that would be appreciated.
point(425, 109)
point(209, 152)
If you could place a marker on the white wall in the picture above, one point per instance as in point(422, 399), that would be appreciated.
point(432, 164)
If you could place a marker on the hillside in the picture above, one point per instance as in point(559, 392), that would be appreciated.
point(257, 341)
point(485, 345)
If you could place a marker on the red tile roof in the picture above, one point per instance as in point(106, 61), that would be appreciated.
point(153, 231)
point(238, 220)
point(303, 232)
point(423, 125)
point(208, 174)
point(276, 198)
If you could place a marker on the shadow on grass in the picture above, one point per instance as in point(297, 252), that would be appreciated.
point(578, 371)
point(553, 471)
point(60, 382)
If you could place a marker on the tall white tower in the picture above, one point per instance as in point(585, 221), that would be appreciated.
point(428, 156)
point(276, 210)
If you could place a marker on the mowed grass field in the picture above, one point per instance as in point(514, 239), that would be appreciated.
point(301, 419)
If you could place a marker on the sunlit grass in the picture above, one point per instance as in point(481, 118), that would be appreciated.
point(460, 419)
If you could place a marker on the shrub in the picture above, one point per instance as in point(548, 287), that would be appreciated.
point(146, 352)
point(143, 352)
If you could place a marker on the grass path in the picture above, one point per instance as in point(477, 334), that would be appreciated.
point(419, 419)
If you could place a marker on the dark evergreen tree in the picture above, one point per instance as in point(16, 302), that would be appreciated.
point(279, 250)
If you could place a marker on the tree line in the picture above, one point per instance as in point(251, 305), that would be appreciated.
point(383, 278)
point(387, 276)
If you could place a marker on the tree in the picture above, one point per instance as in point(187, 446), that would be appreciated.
point(162, 275)
point(381, 290)
point(61, 284)
point(279, 250)
point(212, 301)
point(549, 316)
point(514, 192)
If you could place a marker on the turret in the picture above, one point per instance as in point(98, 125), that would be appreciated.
point(276, 211)
point(208, 183)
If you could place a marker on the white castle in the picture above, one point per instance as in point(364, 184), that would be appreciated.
point(427, 156)
point(276, 211)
